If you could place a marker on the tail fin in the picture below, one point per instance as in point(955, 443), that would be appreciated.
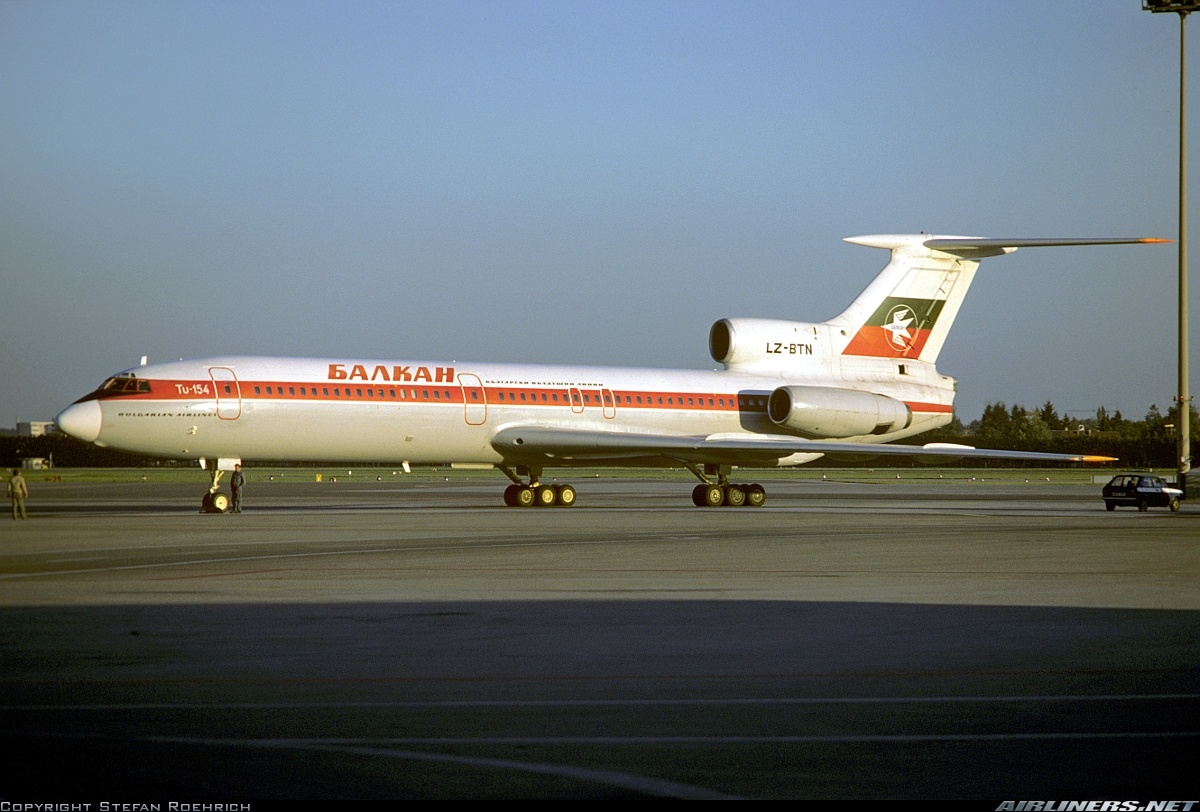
point(907, 311)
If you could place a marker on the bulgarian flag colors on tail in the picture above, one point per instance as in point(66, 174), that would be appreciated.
point(898, 328)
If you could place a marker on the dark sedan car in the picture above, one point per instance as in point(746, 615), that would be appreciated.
point(1141, 491)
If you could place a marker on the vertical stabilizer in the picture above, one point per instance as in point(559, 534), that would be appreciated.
point(907, 311)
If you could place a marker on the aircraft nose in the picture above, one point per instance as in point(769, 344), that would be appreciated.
point(81, 421)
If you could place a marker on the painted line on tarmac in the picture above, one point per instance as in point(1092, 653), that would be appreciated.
point(587, 703)
point(220, 574)
point(368, 747)
point(851, 738)
point(649, 786)
point(183, 545)
point(231, 559)
point(637, 783)
point(319, 554)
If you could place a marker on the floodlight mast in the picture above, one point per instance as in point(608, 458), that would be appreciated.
point(1182, 398)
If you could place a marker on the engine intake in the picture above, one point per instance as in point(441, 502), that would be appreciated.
point(826, 412)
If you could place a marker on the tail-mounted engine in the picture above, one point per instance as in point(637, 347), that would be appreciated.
point(761, 342)
point(820, 411)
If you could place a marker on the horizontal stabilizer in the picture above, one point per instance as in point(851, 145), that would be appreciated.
point(954, 245)
point(968, 242)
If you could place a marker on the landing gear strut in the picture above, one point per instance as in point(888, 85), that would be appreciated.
point(214, 501)
point(722, 493)
point(534, 493)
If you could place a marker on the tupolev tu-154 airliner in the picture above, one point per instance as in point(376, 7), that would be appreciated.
point(789, 393)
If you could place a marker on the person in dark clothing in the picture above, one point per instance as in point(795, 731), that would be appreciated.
point(236, 483)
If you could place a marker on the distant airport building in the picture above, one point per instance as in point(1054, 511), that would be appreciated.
point(35, 428)
point(1086, 431)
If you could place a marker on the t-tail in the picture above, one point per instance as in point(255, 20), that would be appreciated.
point(907, 311)
point(904, 314)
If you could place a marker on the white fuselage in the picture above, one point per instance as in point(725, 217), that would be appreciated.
point(448, 412)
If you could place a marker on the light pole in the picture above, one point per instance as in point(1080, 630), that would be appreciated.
point(1182, 399)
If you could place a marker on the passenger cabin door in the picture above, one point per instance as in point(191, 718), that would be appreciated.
point(228, 392)
point(609, 401)
point(474, 399)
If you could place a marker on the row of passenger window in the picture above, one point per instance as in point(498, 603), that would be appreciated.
point(630, 400)
point(393, 393)
point(357, 392)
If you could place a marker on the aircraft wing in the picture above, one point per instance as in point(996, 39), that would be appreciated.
point(544, 444)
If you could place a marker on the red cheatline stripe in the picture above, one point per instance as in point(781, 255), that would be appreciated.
point(426, 394)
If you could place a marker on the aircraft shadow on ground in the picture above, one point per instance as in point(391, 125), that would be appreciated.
point(598, 698)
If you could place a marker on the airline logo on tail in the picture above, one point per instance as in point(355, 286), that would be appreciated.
point(898, 328)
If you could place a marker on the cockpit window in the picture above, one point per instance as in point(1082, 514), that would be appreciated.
point(118, 385)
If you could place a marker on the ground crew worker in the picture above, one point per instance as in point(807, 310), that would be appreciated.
point(19, 491)
point(236, 483)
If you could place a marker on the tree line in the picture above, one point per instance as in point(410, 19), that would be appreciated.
point(1145, 443)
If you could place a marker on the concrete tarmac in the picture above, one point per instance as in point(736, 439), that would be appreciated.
point(924, 639)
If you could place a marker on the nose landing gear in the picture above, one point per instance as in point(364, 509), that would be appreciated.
point(214, 501)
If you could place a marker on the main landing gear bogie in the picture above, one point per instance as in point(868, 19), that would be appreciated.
point(728, 495)
point(721, 493)
point(521, 495)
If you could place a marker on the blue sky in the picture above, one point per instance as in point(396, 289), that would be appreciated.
point(578, 182)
